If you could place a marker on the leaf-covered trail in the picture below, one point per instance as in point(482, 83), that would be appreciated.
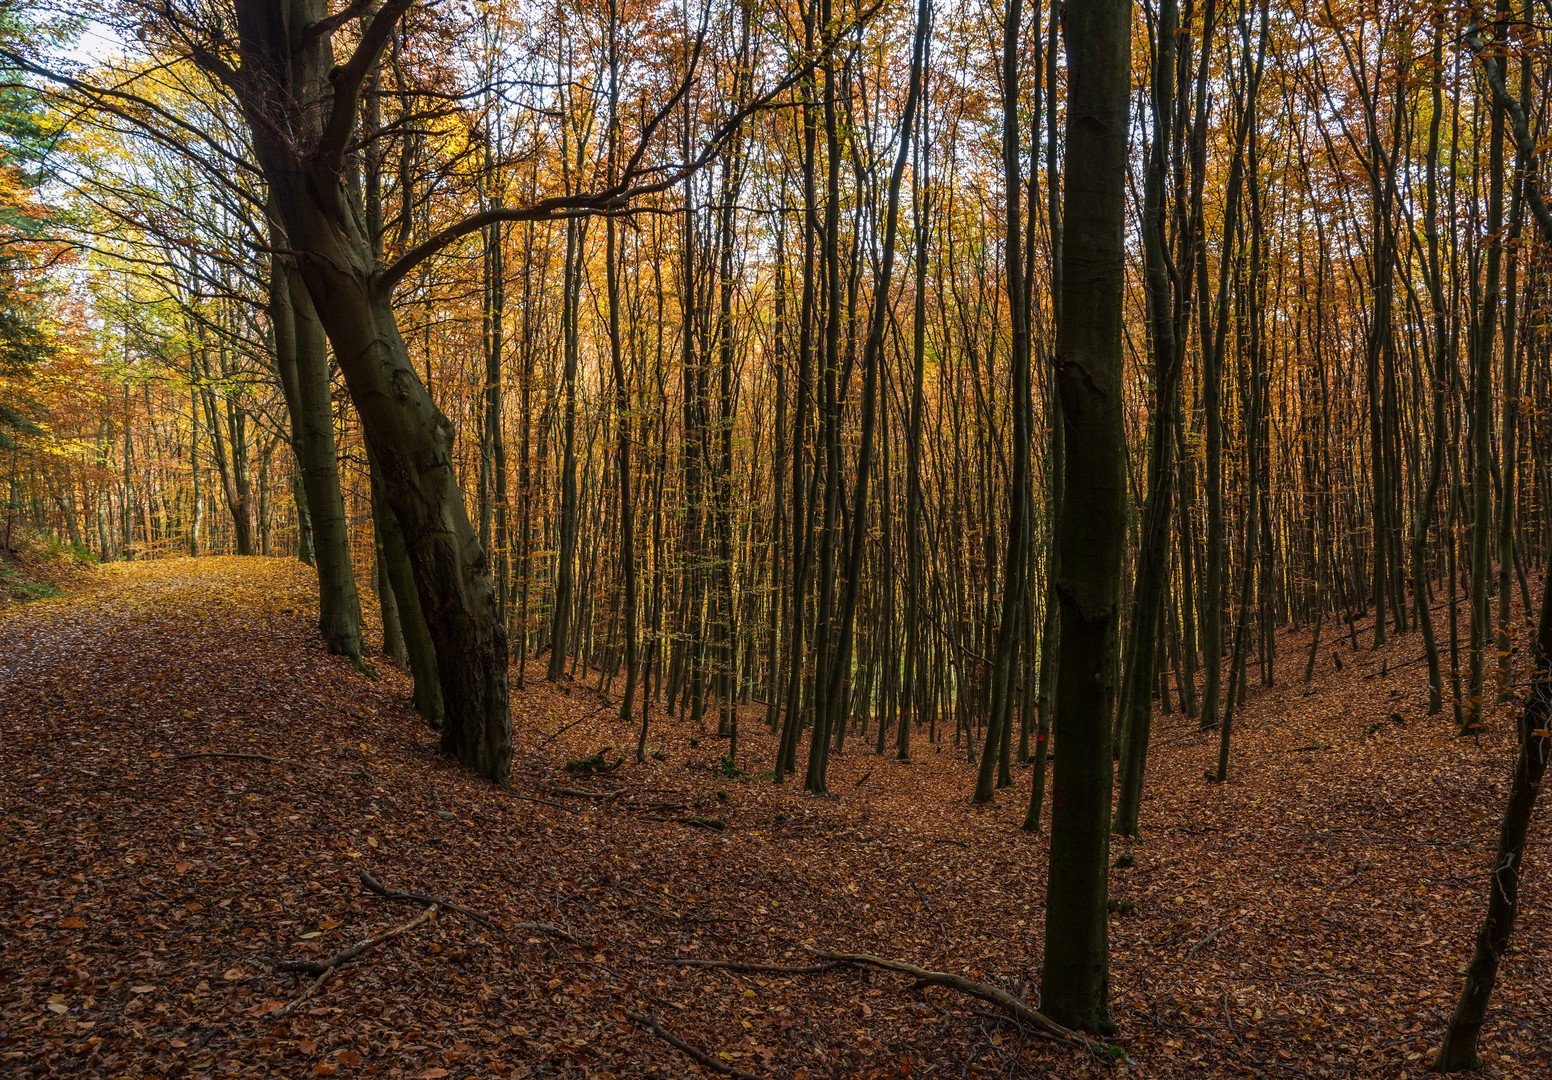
point(1307, 919)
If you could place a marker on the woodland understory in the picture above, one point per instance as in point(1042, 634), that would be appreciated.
point(1306, 919)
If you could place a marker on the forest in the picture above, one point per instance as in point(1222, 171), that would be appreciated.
point(774, 539)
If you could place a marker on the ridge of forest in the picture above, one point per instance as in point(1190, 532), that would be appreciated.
point(1306, 919)
point(982, 386)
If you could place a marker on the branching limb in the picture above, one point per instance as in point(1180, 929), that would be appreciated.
point(1524, 145)
point(326, 968)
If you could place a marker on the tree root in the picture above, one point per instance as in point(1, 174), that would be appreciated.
point(324, 969)
point(997, 996)
point(372, 885)
point(286, 762)
point(654, 1025)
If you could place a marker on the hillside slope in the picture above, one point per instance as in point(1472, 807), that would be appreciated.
point(1309, 918)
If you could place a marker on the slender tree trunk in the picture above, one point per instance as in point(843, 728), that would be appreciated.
point(301, 357)
point(1153, 551)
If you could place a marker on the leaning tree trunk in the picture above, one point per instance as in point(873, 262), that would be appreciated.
point(299, 138)
point(1459, 1050)
point(1075, 986)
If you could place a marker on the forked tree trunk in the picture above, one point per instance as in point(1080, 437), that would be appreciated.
point(285, 79)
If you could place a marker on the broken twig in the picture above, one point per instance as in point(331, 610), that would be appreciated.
point(326, 968)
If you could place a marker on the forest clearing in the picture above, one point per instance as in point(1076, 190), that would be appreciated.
point(1310, 918)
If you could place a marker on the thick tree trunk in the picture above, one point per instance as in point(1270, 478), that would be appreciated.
point(298, 150)
point(399, 576)
point(1075, 986)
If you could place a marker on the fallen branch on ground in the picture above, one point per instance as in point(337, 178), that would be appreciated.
point(739, 965)
point(714, 824)
point(580, 793)
point(326, 968)
point(371, 884)
point(573, 724)
point(1014, 1006)
point(1209, 939)
point(286, 762)
point(545, 802)
point(652, 1024)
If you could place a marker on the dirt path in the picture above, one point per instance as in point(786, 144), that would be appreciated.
point(1307, 919)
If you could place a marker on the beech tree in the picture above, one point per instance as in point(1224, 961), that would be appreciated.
point(1075, 985)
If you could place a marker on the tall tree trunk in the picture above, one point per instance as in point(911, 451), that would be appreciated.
point(1016, 557)
point(1075, 985)
point(1153, 550)
point(300, 153)
point(301, 357)
point(872, 358)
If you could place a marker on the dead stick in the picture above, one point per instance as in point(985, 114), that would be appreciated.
point(739, 965)
point(997, 996)
point(371, 884)
point(652, 1024)
point(344, 956)
point(571, 725)
point(1209, 939)
point(287, 762)
point(582, 793)
point(545, 802)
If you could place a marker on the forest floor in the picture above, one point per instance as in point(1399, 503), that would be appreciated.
point(1308, 919)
